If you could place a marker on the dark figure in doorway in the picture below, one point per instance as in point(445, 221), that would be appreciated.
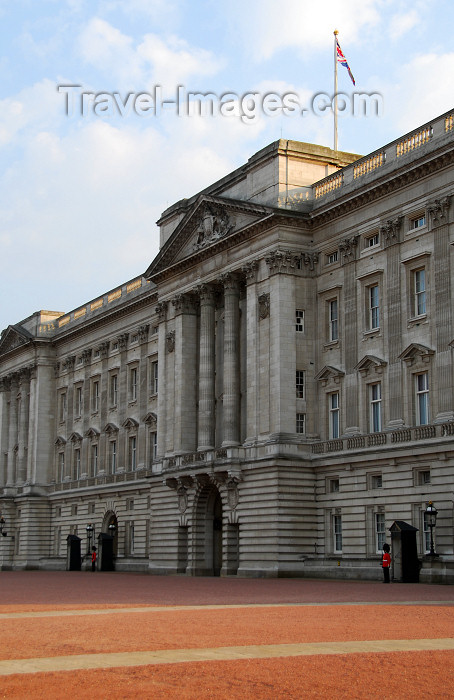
point(93, 558)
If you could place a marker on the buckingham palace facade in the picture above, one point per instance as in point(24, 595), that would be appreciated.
point(269, 396)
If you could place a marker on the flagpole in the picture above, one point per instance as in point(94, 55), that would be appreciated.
point(335, 88)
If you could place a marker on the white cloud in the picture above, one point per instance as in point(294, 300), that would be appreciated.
point(300, 24)
point(402, 23)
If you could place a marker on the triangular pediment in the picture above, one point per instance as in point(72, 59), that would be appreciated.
point(370, 362)
point(209, 222)
point(328, 373)
point(13, 337)
point(414, 351)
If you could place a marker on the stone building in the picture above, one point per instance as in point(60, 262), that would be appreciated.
point(272, 394)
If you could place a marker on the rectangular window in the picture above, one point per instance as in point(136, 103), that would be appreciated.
point(376, 481)
point(131, 538)
point(77, 464)
point(426, 533)
point(332, 257)
point(333, 320)
point(94, 460)
point(62, 407)
point(154, 378)
point(114, 389)
point(95, 396)
point(419, 278)
point(132, 453)
point(153, 445)
point(337, 532)
point(78, 402)
point(300, 379)
point(334, 485)
point(374, 309)
point(380, 534)
point(371, 241)
point(419, 222)
point(133, 384)
point(375, 408)
point(301, 423)
point(334, 422)
point(61, 465)
point(113, 456)
point(300, 320)
point(422, 398)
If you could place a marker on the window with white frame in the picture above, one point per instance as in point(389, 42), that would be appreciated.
point(132, 453)
point(380, 532)
point(334, 415)
point(153, 445)
point(426, 533)
point(94, 460)
point(370, 241)
point(95, 396)
point(76, 471)
point(300, 320)
point(337, 533)
point(301, 423)
point(332, 257)
point(418, 221)
point(374, 306)
point(62, 407)
point(133, 384)
point(375, 408)
point(78, 401)
point(300, 381)
point(154, 377)
point(61, 466)
point(333, 309)
point(419, 292)
point(113, 456)
point(114, 389)
point(422, 398)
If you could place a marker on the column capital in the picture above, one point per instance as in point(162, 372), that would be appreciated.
point(230, 281)
point(280, 261)
point(206, 293)
point(250, 271)
point(438, 210)
point(161, 310)
point(184, 303)
point(390, 231)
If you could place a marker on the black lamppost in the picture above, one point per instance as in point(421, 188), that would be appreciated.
point(90, 530)
point(112, 529)
point(431, 519)
point(2, 526)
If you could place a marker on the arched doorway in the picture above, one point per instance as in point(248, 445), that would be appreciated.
point(108, 542)
point(207, 533)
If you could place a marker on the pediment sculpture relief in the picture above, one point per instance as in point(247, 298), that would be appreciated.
point(214, 223)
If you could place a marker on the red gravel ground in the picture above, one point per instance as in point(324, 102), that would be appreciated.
point(397, 611)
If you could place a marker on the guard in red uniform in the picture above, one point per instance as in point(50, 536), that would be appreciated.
point(93, 558)
point(386, 562)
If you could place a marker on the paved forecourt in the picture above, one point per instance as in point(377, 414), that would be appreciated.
point(113, 634)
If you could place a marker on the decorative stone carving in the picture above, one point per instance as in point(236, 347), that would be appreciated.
point(264, 305)
point(123, 341)
point(282, 261)
point(438, 211)
point(104, 349)
point(390, 231)
point(86, 356)
point(310, 259)
point(184, 303)
point(214, 223)
point(170, 341)
point(347, 248)
point(250, 271)
point(142, 332)
point(232, 490)
point(68, 363)
point(56, 369)
point(161, 310)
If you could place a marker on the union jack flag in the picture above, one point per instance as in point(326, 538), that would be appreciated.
point(343, 61)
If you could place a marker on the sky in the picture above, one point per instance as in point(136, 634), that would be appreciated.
point(86, 170)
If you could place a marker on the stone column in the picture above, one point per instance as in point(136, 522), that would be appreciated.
point(348, 251)
point(161, 310)
point(24, 383)
point(185, 420)
point(12, 437)
point(256, 309)
point(207, 407)
point(231, 360)
point(4, 413)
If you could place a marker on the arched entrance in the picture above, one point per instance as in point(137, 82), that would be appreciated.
point(207, 533)
point(108, 542)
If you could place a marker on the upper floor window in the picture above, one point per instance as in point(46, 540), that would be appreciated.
point(375, 408)
point(62, 407)
point(77, 463)
point(114, 389)
point(78, 402)
point(133, 384)
point(334, 416)
point(419, 292)
point(371, 241)
point(374, 307)
point(337, 532)
point(61, 465)
point(300, 320)
point(332, 257)
point(418, 222)
point(94, 460)
point(154, 377)
point(333, 320)
point(113, 456)
point(300, 381)
point(422, 398)
point(380, 532)
point(153, 445)
point(301, 423)
point(132, 453)
point(95, 396)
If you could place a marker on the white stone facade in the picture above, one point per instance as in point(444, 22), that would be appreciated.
point(270, 396)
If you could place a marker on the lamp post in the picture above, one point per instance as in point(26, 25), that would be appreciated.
point(90, 530)
point(431, 519)
point(112, 529)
